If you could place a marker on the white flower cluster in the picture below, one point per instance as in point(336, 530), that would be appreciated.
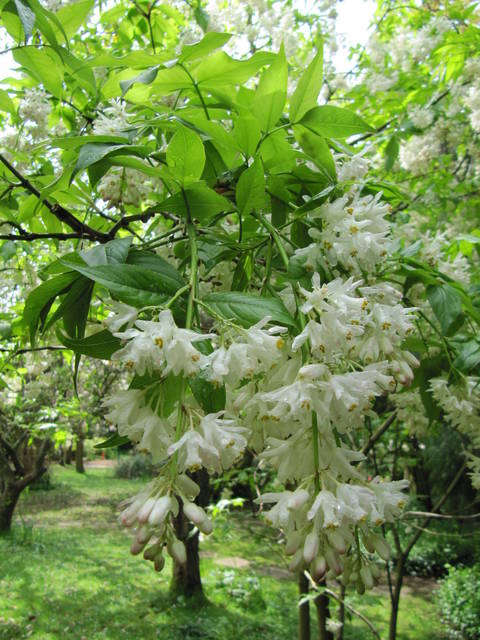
point(418, 151)
point(35, 109)
point(113, 120)
point(460, 403)
point(473, 103)
point(292, 399)
point(124, 186)
point(353, 236)
point(150, 514)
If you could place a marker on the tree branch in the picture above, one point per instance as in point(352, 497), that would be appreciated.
point(13, 455)
point(56, 209)
point(379, 433)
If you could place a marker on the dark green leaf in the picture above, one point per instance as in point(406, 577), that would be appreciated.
point(446, 304)
point(250, 192)
point(198, 201)
point(248, 309)
point(41, 299)
point(113, 441)
point(27, 17)
point(101, 345)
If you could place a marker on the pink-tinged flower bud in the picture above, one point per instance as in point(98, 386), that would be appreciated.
point(206, 526)
point(382, 548)
point(151, 552)
point(187, 486)
point(194, 513)
point(298, 499)
point(336, 540)
point(366, 576)
point(145, 510)
point(159, 562)
point(296, 562)
point(318, 568)
point(294, 540)
point(333, 562)
point(310, 548)
point(178, 552)
point(137, 547)
point(129, 516)
point(160, 511)
point(144, 534)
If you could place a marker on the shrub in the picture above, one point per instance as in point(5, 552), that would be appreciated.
point(137, 465)
point(458, 600)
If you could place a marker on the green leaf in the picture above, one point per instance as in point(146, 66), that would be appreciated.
point(305, 95)
point(208, 396)
point(391, 153)
point(41, 299)
point(468, 358)
point(101, 345)
point(27, 17)
point(334, 122)
point(248, 309)
point(446, 304)
point(146, 77)
point(113, 441)
point(316, 147)
point(91, 153)
point(207, 44)
point(250, 191)
point(130, 283)
point(44, 65)
point(247, 134)
point(74, 308)
point(186, 155)
point(74, 15)
point(220, 70)
point(199, 201)
point(153, 262)
point(271, 93)
point(6, 103)
point(114, 251)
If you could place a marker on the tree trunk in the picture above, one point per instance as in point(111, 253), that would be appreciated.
point(68, 455)
point(323, 614)
point(8, 502)
point(341, 611)
point(303, 610)
point(79, 466)
point(399, 570)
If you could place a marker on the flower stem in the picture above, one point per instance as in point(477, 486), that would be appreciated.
point(316, 460)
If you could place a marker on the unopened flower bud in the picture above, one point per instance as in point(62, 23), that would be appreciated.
point(160, 511)
point(178, 552)
point(145, 510)
point(159, 562)
point(194, 513)
point(144, 534)
point(137, 547)
point(310, 548)
point(318, 568)
point(151, 552)
point(336, 540)
point(294, 540)
point(366, 576)
point(298, 499)
point(297, 561)
point(188, 486)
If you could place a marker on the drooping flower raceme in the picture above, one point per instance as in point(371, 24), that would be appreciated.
point(293, 397)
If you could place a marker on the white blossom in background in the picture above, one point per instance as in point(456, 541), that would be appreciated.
point(35, 109)
point(473, 103)
point(418, 151)
point(124, 186)
point(113, 120)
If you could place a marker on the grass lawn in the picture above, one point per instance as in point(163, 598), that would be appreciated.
point(65, 572)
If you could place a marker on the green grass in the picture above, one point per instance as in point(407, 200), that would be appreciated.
point(65, 572)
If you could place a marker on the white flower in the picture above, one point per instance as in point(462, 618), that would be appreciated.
point(113, 120)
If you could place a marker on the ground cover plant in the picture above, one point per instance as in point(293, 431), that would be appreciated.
point(67, 553)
